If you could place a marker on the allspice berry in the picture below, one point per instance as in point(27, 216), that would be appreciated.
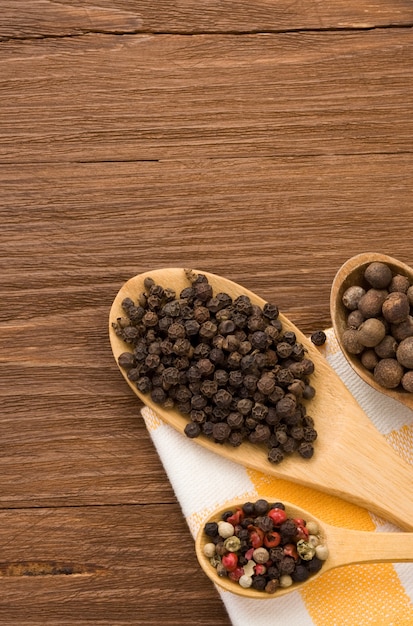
point(403, 330)
point(351, 342)
point(369, 359)
point(370, 304)
point(351, 297)
point(407, 381)
point(396, 307)
point(399, 283)
point(388, 373)
point(355, 318)
point(404, 353)
point(387, 347)
point(378, 275)
point(379, 325)
point(371, 332)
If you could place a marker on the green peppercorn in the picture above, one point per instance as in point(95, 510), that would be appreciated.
point(232, 544)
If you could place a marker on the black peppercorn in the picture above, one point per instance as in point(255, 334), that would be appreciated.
point(158, 395)
point(270, 310)
point(126, 360)
point(318, 338)
point(306, 449)
point(192, 430)
point(216, 361)
point(275, 455)
point(300, 574)
point(221, 431)
point(235, 438)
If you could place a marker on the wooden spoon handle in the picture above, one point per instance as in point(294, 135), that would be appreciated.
point(347, 547)
point(370, 473)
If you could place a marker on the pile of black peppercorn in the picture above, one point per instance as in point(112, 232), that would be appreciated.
point(379, 316)
point(226, 364)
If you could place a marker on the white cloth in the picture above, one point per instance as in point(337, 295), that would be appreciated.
point(376, 595)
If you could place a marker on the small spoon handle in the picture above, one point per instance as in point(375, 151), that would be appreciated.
point(347, 547)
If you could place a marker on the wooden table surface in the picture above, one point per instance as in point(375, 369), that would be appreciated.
point(266, 141)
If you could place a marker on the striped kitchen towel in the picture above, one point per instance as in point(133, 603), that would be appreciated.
point(357, 595)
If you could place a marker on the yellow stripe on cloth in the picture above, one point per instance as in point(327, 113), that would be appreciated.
point(152, 420)
point(374, 589)
point(402, 441)
point(328, 508)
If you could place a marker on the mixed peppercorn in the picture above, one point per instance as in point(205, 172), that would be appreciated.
point(226, 364)
point(379, 315)
point(258, 545)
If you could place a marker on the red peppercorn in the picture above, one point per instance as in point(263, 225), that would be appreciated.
point(236, 573)
point(290, 549)
point(272, 539)
point(237, 517)
point(302, 532)
point(256, 537)
point(259, 569)
point(278, 516)
point(230, 561)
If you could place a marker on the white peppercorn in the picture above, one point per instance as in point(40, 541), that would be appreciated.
point(225, 529)
point(260, 555)
point(322, 552)
point(209, 550)
point(285, 581)
point(312, 527)
point(245, 581)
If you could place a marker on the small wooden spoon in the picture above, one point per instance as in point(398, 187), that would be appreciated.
point(352, 460)
point(345, 547)
point(351, 273)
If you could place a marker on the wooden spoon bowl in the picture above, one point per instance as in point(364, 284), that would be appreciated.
point(345, 547)
point(352, 460)
point(351, 273)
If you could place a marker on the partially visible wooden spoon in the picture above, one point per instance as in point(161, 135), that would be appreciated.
point(345, 547)
point(351, 273)
point(352, 460)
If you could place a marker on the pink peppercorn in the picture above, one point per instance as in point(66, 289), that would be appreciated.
point(230, 561)
point(302, 532)
point(256, 536)
point(236, 573)
point(290, 549)
point(249, 553)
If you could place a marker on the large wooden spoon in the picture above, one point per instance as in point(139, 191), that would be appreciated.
point(352, 460)
point(351, 273)
point(345, 547)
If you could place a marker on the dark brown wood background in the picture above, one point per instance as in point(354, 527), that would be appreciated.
point(267, 141)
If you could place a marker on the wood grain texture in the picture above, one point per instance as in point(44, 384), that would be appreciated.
point(48, 18)
point(217, 96)
point(268, 147)
point(96, 565)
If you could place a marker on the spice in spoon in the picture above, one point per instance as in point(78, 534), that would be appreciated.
point(379, 316)
point(258, 545)
point(226, 364)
